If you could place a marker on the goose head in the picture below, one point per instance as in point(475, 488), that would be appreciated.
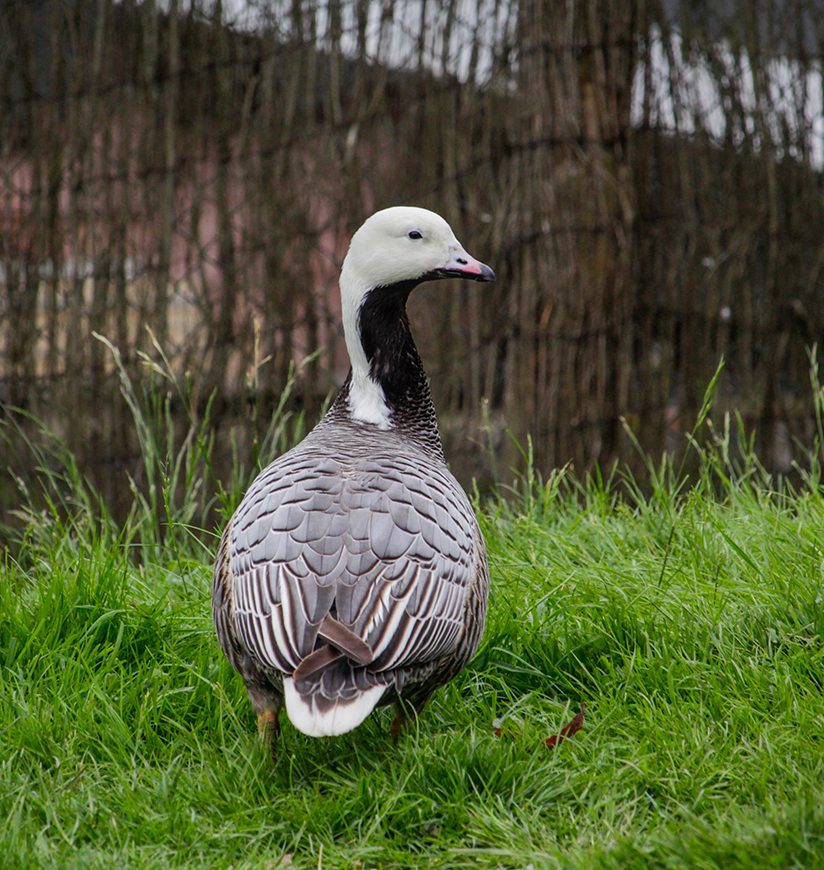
point(405, 244)
point(393, 251)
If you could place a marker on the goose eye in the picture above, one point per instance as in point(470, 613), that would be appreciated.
point(415, 234)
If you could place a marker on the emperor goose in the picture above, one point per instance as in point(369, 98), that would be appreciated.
point(354, 573)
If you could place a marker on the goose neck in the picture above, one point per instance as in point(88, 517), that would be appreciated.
point(388, 385)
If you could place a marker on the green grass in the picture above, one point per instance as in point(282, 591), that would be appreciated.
point(693, 628)
point(690, 621)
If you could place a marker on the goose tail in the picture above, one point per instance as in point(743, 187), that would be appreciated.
point(316, 714)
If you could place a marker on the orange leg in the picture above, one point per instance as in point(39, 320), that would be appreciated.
point(397, 725)
point(269, 728)
point(403, 713)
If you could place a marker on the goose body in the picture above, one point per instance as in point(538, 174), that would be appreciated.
point(353, 572)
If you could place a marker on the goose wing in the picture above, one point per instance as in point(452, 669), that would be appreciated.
point(384, 546)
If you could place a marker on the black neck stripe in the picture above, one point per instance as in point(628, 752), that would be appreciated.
point(383, 326)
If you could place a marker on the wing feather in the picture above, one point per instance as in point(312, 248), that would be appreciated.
point(383, 543)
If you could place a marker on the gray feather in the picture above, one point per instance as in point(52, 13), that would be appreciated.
point(366, 528)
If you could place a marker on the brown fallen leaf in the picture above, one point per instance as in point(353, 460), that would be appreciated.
point(575, 724)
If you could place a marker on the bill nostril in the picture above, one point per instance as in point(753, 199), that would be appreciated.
point(462, 261)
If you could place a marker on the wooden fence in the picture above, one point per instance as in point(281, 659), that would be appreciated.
point(644, 177)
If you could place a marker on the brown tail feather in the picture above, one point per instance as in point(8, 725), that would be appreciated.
point(345, 640)
point(315, 662)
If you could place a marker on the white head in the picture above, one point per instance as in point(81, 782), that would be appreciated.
point(395, 245)
point(403, 244)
